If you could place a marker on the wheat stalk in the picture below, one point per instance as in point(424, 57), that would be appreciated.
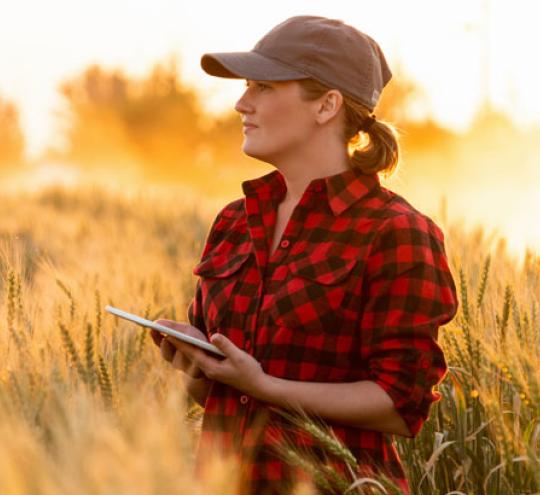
point(72, 303)
point(129, 356)
point(11, 311)
point(98, 314)
point(72, 351)
point(105, 382)
point(91, 370)
point(483, 282)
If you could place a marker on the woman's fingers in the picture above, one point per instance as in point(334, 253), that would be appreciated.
point(168, 350)
point(175, 351)
point(181, 362)
point(194, 371)
point(156, 337)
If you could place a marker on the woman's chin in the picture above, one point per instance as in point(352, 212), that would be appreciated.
point(254, 153)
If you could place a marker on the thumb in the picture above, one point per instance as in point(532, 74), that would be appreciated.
point(224, 344)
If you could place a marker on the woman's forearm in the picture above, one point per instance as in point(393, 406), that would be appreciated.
point(363, 404)
point(198, 388)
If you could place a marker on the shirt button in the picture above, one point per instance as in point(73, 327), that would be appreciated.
point(244, 399)
point(285, 243)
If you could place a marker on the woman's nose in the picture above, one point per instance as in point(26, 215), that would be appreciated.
point(242, 105)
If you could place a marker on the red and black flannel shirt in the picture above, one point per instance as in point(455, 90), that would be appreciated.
point(356, 290)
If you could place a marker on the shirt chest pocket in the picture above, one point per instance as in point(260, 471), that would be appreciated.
point(313, 295)
point(220, 274)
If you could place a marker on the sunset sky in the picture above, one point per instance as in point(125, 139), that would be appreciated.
point(452, 49)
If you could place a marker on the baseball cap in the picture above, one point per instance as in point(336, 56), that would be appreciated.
point(328, 50)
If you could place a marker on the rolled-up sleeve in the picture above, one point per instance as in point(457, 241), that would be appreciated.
point(408, 293)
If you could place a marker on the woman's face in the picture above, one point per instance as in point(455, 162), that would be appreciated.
point(277, 122)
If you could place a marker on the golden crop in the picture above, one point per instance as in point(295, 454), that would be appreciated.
point(87, 405)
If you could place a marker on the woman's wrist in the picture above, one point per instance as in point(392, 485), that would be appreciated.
point(198, 388)
point(267, 389)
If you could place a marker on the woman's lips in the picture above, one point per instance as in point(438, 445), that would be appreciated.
point(248, 127)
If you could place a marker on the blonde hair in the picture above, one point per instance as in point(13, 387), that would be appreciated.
point(372, 151)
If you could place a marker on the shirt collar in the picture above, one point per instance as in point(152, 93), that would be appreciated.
point(341, 190)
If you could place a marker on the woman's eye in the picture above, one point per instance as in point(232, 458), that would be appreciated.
point(259, 85)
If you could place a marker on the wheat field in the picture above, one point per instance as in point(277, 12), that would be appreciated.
point(88, 406)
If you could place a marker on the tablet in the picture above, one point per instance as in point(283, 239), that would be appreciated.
point(163, 329)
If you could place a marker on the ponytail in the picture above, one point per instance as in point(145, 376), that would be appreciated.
point(373, 150)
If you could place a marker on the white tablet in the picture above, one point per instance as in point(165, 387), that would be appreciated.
point(163, 329)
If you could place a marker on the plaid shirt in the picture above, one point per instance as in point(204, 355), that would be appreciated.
point(356, 290)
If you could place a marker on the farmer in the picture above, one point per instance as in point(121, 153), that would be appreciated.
point(324, 289)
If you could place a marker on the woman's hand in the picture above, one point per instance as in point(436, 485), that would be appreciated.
point(239, 369)
point(172, 354)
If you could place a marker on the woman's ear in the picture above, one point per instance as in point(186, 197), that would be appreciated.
point(329, 106)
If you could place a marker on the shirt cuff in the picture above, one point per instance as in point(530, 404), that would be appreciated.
point(413, 405)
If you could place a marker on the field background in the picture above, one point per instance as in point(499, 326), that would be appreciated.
point(88, 406)
point(116, 207)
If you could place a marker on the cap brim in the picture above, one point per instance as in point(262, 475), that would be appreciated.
point(247, 65)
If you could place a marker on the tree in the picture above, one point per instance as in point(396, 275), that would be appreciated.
point(154, 122)
point(12, 142)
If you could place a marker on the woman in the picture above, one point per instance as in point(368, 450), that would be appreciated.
point(324, 290)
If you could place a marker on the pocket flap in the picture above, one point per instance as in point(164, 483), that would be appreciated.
point(326, 271)
point(220, 265)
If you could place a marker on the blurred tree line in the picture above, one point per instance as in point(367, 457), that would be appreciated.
point(155, 123)
point(12, 142)
point(157, 126)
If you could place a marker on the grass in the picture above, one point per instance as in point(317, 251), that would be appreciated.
point(87, 406)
